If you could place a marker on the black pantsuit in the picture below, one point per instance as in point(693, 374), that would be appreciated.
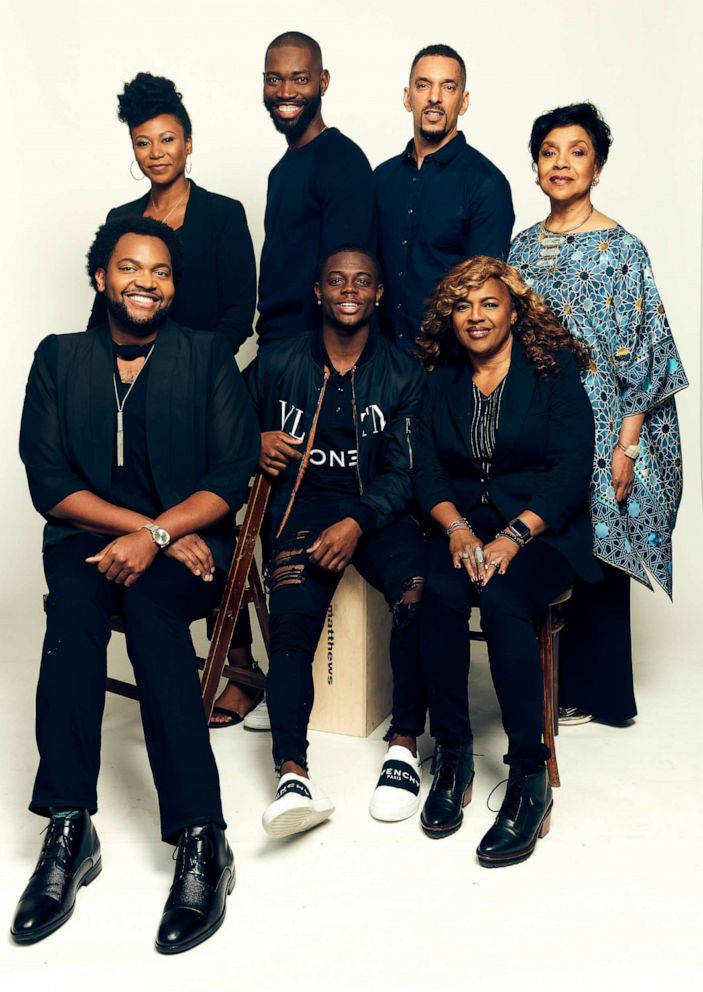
point(157, 611)
point(508, 605)
point(541, 462)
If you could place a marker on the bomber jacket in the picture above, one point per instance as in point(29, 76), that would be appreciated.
point(288, 382)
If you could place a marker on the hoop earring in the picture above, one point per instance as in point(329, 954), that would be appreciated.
point(189, 165)
point(139, 178)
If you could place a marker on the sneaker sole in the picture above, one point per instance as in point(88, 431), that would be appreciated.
point(297, 820)
point(574, 721)
point(392, 812)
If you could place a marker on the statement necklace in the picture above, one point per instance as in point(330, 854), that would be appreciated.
point(552, 241)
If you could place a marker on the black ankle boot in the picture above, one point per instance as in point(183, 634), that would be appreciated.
point(523, 817)
point(203, 879)
point(70, 857)
point(451, 789)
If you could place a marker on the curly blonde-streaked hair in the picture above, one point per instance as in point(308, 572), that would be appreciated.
point(536, 327)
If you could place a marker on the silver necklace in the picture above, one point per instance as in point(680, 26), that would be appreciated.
point(163, 220)
point(120, 409)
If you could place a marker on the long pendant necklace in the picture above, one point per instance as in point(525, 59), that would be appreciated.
point(163, 220)
point(120, 409)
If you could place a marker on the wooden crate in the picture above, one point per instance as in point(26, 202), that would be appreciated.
point(352, 669)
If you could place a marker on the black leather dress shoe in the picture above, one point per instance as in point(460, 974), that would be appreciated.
point(523, 817)
point(70, 857)
point(451, 789)
point(203, 879)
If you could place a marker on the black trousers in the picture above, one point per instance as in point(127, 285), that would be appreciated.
point(393, 561)
point(508, 605)
point(595, 650)
point(157, 611)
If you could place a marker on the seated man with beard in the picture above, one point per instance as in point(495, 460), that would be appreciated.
point(139, 440)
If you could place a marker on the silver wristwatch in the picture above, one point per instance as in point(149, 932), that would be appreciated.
point(159, 535)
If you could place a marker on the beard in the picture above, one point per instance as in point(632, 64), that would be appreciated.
point(137, 328)
point(434, 137)
point(294, 128)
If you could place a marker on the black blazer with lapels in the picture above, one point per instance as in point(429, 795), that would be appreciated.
point(202, 432)
point(543, 457)
point(217, 288)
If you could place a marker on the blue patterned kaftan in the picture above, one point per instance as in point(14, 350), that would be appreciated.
point(600, 285)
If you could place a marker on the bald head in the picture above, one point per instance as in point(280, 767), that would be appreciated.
point(296, 39)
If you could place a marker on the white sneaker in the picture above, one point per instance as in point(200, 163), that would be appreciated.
point(397, 795)
point(298, 806)
point(258, 718)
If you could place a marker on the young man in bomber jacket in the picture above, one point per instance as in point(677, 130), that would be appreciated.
point(336, 409)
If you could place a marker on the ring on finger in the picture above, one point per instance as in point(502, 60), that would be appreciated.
point(494, 564)
point(465, 555)
point(478, 554)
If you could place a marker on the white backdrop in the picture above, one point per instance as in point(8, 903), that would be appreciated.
point(65, 162)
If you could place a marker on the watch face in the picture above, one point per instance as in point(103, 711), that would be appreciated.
point(161, 536)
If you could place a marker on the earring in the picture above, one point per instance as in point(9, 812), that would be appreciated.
point(189, 165)
point(378, 303)
point(319, 303)
point(595, 181)
point(138, 178)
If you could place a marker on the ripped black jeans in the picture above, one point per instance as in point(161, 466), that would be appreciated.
point(393, 561)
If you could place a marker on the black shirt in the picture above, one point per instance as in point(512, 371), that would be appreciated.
point(133, 483)
point(319, 197)
point(332, 468)
point(456, 206)
point(217, 289)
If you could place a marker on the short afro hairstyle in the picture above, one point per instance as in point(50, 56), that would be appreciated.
point(445, 52)
point(110, 233)
point(348, 249)
point(148, 96)
point(296, 39)
point(585, 115)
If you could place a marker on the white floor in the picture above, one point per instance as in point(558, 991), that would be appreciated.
point(612, 896)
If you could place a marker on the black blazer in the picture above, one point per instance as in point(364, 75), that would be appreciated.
point(543, 458)
point(217, 289)
point(202, 433)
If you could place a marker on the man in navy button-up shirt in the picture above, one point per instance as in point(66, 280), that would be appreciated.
point(440, 201)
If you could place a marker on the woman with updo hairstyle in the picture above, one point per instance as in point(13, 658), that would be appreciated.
point(598, 279)
point(503, 461)
point(217, 287)
point(217, 291)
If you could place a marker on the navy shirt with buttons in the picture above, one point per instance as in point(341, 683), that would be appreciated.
point(456, 206)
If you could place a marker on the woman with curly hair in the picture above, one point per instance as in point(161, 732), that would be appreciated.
point(218, 288)
point(503, 463)
point(598, 279)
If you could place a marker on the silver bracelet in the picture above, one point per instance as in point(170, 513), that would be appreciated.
point(460, 524)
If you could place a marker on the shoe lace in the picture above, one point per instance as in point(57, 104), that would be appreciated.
point(447, 760)
point(191, 854)
point(512, 800)
point(56, 846)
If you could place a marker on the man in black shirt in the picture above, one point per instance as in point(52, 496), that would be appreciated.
point(320, 194)
point(440, 201)
point(139, 440)
point(336, 409)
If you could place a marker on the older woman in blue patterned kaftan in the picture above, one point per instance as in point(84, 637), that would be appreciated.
point(598, 279)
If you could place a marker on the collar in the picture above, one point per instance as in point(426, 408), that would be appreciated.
point(129, 352)
point(445, 154)
point(321, 358)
